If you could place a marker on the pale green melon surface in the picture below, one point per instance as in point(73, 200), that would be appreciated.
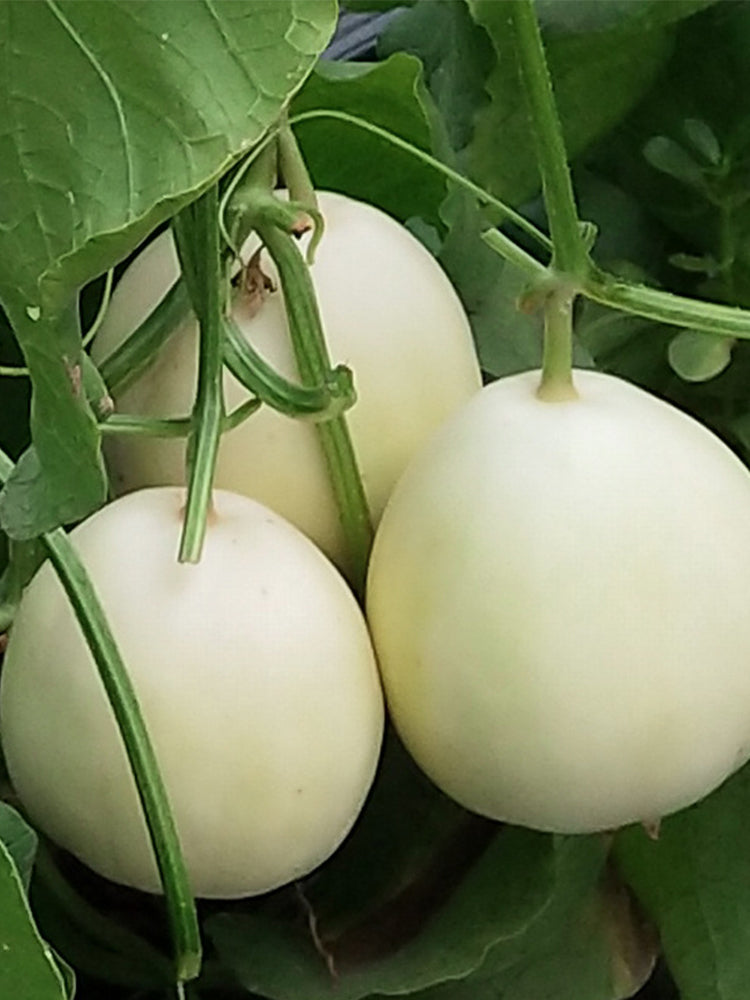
point(256, 678)
point(389, 313)
point(558, 597)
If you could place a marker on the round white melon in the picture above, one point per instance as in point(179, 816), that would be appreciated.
point(558, 596)
point(389, 313)
point(255, 675)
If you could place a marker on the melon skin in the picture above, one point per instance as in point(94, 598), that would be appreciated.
point(255, 675)
point(558, 598)
point(389, 313)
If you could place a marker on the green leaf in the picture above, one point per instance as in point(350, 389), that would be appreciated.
point(497, 901)
point(589, 944)
point(629, 346)
point(457, 57)
point(597, 77)
point(671, 158)
point(342, 157)
point(392, 869)
point(697, 356)
point(113, 115)
point(508, 339)
point(574, 16)
point(60, 477)
point(366, 5)
point(706, 81)
point(96, 943)
point(695, 882)
point(20, 840)
point(703, 139)
point(28, 970)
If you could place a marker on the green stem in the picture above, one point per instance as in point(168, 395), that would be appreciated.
point(314, 365)
point(123, 423)
point(293, 168)
point(15, 371)
point(639, 300)
point(557, 366)
point(140, 752)
point(318, 402)
point(240, 414)
point(101, 311)
point(570, 258)
point(255, 179)
point(167, 427)
point(569, 252)
point(664, 307)
point(484, 197)
point(143, 762)
point(128, 361)
point(196, 227)
point(505, 246)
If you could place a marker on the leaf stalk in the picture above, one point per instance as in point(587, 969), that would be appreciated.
point(151, 790)
point(314, 364)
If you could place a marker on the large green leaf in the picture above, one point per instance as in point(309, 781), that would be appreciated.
point(345, 158)
point(598, 76)
point(375, 5)
point(457, 56)
point(695, 882)
point(28, 970)
point(418, 894)
point(593, 15)
point(409, 846)
point(114, 114)
point(590, 943)
point(497, 901)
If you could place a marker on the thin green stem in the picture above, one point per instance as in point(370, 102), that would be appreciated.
point(140, 752)
point(240, 414)
point(314, 364)
point(128, 361)
point(362, 123)
point(293, 168)
point(557, 366)
point(318, 402)
point(15, 371)
point(569, 251)
point(198, 226)
point(151, 790)
point(101, 311)
point(255, 179)
point(419, 154)
point(639, 300)
point(124, 423)
point(505, 246)
point(664, 307)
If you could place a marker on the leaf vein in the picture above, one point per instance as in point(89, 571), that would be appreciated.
point(111, 89)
